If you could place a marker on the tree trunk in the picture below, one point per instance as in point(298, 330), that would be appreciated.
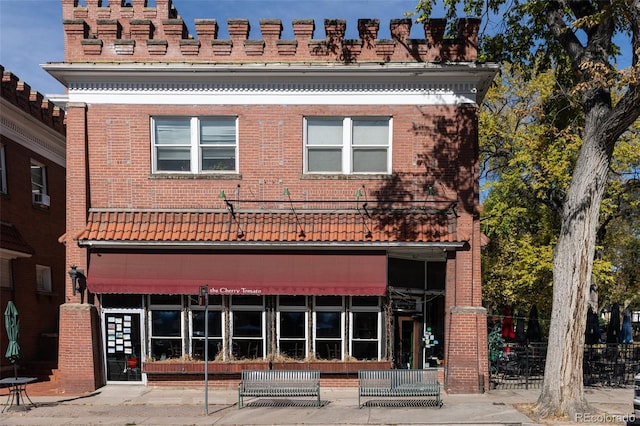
point(562, 390)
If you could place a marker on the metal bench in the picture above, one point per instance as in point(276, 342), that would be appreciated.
point(279, 383)
point(399, 383)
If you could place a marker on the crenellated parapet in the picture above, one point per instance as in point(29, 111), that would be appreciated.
point(19, 93)
point(132, 32)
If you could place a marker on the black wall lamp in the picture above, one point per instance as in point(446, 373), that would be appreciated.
point(78, 280)
point(295, 213)
point(222, 195)
point(360, 194)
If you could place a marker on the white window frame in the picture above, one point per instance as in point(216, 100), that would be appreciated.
point(377, 338)
point(195, 145)
point(235, 308)
point(43, 279)
point(41, 187)
point(195, 307)
point(294, 308)
point(166, 307)
point(3, 170)
point(327, 308)
point(347, 146)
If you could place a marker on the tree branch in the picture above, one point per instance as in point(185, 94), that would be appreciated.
point(565, 36)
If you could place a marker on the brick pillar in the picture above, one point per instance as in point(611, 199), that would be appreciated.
point(79, 358)
point(79, 353)
point(466, 352)
point(465, 367)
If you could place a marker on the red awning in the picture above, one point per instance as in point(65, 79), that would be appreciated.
point(239, 273)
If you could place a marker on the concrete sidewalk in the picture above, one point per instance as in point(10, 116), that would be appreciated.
point(146, 405)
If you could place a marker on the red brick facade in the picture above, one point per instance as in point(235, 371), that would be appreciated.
point(33, 130)
point(434, 142)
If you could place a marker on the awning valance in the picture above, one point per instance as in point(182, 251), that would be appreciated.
point(239, 273)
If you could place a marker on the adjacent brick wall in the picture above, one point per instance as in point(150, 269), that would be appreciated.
point(27, 115)
point(80, 359)
point(32, 102)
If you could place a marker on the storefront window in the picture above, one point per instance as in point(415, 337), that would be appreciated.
point(198, 336)
point(198, 329)
point(364, 344)
point(328, 327)
point(292, 326)
point(165, 319)
point(247, 327)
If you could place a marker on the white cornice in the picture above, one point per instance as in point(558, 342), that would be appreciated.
point(295, 83)
point(34, 135)
point(275, 93)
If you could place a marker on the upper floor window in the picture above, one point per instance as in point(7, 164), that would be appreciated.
point(348, 145)
point(3, 172)
point(194, 144)
point(43, 278)
point(39, 192)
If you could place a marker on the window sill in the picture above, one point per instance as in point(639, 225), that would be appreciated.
point(341, 176)
point(40, 206)
point(195, 176)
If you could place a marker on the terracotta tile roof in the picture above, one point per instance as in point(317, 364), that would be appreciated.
point(11, 239)
point(267, 227)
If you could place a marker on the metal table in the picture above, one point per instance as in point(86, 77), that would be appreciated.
point(17, 388)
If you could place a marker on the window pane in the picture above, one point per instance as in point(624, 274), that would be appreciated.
point(329, 301)
point(329, 349)
point(38, 179)
point(292, 300)
point(247, 349)
point(197, 348)
point(43, 278)
point(324, 160)
point(370, 160)
point(173, 131)
point(247, 300)
point(165, 323)
point(370, 132)
point(165, 299)
point(292, 324)
point(215, 323)
point(165, 348)
point(214, 300)
point(218, 131)
point(218, 159)
point(247, 324)
point(364, 301)
point(365, 325)
point(328, 324)
point(406, 273)
point(293, 348)
point(324, 132)
point(173, 159)
point(365, 350)
point(121, 301)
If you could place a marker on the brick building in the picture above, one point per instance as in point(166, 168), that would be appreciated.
point(32, 218)
point(323, 191)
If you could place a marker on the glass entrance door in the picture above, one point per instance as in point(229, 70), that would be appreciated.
point(406, 342)
point(123, 345)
